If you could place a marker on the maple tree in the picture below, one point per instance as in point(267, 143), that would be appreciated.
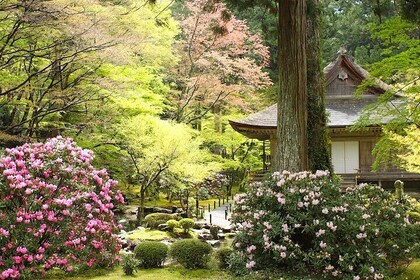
point(220, 59)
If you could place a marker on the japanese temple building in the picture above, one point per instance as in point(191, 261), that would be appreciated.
point(351, 151)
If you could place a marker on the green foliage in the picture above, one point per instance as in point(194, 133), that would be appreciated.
point(155, 219)
point(186, 224)
point(223, 256)
point(237, 264)
point(191, 253)
point(129, 264)
point(172, 224)
point(214, 231)
point(151, 253)
point(148, 234)
point(302, 220)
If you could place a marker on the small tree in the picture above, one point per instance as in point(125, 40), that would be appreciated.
point(220, 58)
point(157, 147)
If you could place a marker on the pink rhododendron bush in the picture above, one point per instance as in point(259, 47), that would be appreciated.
point(302, 223)
point(56, 210)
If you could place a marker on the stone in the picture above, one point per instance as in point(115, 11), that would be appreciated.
point(199, 225)
point(163, 227)
point(227, 229)
point(161, 210)
point(221, 236)
point(204, 236)
point(214, 243)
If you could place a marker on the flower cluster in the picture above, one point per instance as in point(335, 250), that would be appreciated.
point(302, 220)
point(56, 210)
point(214, 185)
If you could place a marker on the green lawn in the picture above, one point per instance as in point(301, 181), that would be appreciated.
point(168, 273)
point(149, 234)
point(177, 272)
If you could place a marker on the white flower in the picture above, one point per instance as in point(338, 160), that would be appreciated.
point(281, 182)
point(365, 216)
point(329, 267)
point(325, 211)
point(250, 264)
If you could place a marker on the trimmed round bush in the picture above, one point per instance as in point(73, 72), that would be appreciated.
point(186, 224)
point(172, 224)
point(151, 253)
point(56, 210)
point(154, 220)
point(191, 253)
point(223, 256)
point(300, 220)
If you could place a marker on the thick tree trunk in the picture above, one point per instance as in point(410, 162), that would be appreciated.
point(318, 150)
point(292, 145)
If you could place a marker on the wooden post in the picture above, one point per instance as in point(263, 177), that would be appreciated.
point(223, 200)
point(214, 206)
point(226, 214)
point(209, 207)
point(210, 220)
point(219, 202)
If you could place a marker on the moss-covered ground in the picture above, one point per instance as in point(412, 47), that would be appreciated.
point(174, 272)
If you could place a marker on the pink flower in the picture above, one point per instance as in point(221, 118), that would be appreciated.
point(250, 249)
point(250, 265)
point(283, 255)
point(88, 207)
point(17, 259)
point(21, 250)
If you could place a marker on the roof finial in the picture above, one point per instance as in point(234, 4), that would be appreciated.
point(342, 51)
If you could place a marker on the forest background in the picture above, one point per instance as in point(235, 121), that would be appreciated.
point(150, 88)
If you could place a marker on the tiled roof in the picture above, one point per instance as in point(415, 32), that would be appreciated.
point(341, 112)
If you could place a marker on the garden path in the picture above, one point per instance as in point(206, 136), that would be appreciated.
point(218, 216)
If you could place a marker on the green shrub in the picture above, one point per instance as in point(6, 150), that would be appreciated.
point(186, 224)
point(191, 253)
point(236, 264)
point(156, 219)
point(302, 220)
point(214, 231)
point(129, 264)
point(172, 224)
point(223, 256)
point(151, 253)
point(414, 216)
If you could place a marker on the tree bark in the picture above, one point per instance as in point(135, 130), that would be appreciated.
point(140, 210)
point(318, 149)
point(292, 151)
